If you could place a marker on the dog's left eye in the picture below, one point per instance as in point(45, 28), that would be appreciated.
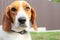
point(13, 9)
point(27, 8)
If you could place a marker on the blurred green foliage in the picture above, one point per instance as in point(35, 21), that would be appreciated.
point(56, 0)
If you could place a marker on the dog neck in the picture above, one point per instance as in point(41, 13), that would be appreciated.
point(21, 32)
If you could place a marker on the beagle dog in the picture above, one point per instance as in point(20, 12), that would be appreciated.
point(16, 21)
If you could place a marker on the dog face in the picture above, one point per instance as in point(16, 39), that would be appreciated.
point(19, 13)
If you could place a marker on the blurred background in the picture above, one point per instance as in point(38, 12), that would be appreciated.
point(48, 12)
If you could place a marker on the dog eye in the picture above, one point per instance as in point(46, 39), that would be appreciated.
point(27, 8)
point(14, 9)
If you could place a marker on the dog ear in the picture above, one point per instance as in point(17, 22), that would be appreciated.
point(6, 20)
point(33, 17)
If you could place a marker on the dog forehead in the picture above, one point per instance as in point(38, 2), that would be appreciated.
point(24, 3)
point(18, 4)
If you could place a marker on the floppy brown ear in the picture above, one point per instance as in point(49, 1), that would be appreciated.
point(6, 20)
point(33, 17)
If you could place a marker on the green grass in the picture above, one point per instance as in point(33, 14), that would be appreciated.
point(45, 36)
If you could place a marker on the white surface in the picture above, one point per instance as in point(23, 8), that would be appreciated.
point(40, 29)
point(49, 0)
point(53, 31)
point(43, 29)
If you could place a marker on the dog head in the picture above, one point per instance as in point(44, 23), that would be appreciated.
point(20, 14)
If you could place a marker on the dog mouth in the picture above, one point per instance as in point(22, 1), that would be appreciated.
point(22, 25)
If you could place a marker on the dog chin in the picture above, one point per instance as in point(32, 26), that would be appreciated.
point(18, 29)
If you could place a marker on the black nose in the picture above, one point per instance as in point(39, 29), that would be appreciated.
point(22, 20)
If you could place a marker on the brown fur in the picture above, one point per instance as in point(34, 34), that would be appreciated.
point(6, 20)
point(33, 17)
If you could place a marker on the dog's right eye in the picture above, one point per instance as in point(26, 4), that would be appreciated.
point(27, 8)
point(13, 9)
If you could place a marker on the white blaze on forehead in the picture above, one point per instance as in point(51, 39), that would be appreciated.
point(21, 10)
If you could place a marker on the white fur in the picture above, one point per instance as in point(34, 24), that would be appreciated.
point(16, 27)
point(13, 36)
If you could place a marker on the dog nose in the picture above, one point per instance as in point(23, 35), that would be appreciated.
point(22, 20)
